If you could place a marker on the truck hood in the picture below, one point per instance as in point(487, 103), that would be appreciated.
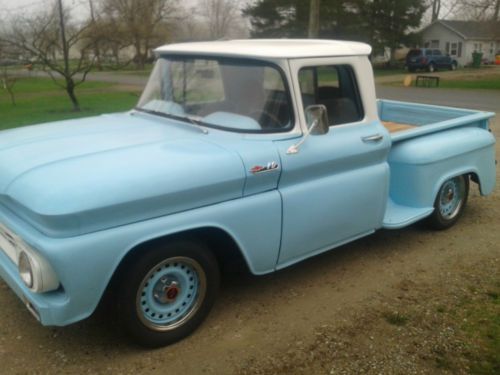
point(74, 177)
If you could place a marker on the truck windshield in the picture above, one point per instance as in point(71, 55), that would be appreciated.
point(237, 95)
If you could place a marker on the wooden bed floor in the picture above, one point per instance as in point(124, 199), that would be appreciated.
point(396, 127)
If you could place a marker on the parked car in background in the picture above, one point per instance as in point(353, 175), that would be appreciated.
point(429, 59)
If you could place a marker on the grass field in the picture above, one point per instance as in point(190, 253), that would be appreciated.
point(40, 100)
point(487, 78)
point(483, 83)
point(482, 324)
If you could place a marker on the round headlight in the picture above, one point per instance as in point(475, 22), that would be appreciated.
point(25, 269)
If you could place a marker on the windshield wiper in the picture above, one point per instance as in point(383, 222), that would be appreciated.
point(196, 122)
point(188, 119)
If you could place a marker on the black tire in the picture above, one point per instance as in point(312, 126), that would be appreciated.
point(431, 68)
point(158, 283)
point(453, 66)
point(450, 203)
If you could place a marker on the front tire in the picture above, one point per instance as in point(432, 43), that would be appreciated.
point(450, 202)
point(166, 293)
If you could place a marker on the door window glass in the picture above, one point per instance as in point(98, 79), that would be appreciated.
point(335, 87)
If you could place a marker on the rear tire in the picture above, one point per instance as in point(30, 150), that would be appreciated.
point(450, 202)
point(167, 292)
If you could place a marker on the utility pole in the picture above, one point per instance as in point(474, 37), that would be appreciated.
point(314, 19)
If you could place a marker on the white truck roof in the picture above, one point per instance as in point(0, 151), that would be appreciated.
point(270, 48)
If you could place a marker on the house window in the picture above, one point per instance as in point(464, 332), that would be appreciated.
point(454, 49)
point(478, 47)
point(459, 49)
point(434, 43)
point(427, 45)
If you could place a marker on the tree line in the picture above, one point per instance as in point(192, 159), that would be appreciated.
point(381, 23)
point(68, 47)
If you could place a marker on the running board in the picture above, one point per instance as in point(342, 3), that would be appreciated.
point(397, 216)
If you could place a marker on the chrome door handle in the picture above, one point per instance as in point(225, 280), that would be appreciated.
point(372, 138)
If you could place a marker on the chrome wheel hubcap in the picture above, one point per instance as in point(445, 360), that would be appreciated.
point(451, 198)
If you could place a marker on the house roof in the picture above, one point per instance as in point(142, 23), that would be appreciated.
point(270, 48)
point(489, 30)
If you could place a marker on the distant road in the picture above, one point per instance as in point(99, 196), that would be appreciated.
point(124, 79)
point(111, 77)
point(484, 100)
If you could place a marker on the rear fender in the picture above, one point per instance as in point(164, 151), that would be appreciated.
point(419, 166)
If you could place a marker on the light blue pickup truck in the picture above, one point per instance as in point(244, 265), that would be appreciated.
point(267, 151)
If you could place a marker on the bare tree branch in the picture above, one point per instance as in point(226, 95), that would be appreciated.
point(52, 39)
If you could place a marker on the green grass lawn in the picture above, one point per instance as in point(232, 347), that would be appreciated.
point(40, 100)
point(491, 83)
point(382, 72)
point(482, 324)
point(486, 78)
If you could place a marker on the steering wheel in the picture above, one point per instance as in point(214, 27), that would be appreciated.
point(265, 119)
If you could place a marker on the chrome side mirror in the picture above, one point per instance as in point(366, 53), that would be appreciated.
point(317, 124)
point(317, 119)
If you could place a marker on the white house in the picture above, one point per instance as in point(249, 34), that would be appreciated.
point(461, 38)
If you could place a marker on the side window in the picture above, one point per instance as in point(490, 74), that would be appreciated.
point(436, 52)
point(428, 52)
point(335, 87)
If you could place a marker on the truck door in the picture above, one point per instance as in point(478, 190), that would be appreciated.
point(335, 188)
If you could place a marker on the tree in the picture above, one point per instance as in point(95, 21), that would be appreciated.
point(388, 23)
point(290, 18)
point(94, 35)
point(314, 18)
point(8, 81)
point(220, 16)
point(382, 23)
point(277, 18)
point(141, 23)
point(436, 8)
point(52, 38)
point(478, 9)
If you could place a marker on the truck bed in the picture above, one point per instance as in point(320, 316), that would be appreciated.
point(408, 120)
point(394, 127)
